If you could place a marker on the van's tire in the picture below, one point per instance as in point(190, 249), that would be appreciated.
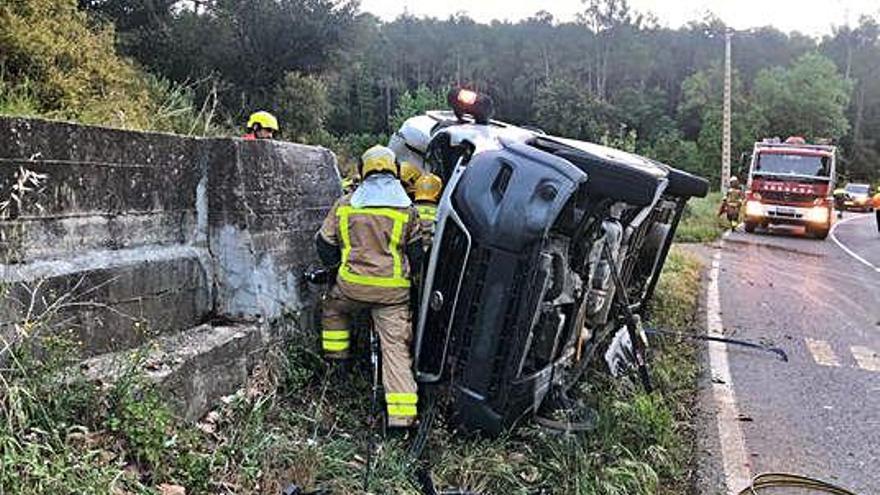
point(750, 226)
point(820, 233)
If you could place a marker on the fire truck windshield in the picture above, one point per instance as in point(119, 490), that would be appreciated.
point(791, 164)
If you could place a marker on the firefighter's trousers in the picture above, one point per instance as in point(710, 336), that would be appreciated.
point(392, 323)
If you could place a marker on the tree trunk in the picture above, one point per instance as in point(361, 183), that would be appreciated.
point(860, 115)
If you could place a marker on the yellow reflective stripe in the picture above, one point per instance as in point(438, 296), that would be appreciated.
point(427, 213)
point(400, 219)
point(335, 334)
point(391, 213)
point(335, 345)
point(396, 234)
point(387, 282)
point(335, 340)
point(402, 411)
point(405, 398)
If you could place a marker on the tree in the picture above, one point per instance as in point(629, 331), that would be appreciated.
point(413, 103)
point(607, 20)
point(565, 108)
point(302, 105)
point(69, 65)
point(856, 51)
point(809, 98)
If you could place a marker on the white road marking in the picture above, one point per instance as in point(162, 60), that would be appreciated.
point(737, 471)
point(867, 358)
point(822, 352)
point(848, 250)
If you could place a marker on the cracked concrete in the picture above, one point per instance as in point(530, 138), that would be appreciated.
point(144, 236)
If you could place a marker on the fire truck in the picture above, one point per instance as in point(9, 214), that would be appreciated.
point(791, 183)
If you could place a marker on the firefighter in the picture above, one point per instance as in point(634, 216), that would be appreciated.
point(349, 183)
point(409, 174)
point(428, 188)
point(839, 199)
point(732, 203)
point(373, 236)
point(261, 125)
point(877, 208)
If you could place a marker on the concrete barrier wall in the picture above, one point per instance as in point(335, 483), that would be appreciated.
point(265, 207)
point(144, 233)
point(106, 189)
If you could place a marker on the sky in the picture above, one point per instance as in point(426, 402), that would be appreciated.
point(812, 17)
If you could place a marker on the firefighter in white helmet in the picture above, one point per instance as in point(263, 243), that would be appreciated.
point(373, 236)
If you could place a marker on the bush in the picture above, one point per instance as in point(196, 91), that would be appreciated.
point(303, 106)
point(175, 108)
point(18, 98)
point(700, 222)
point(68, 67)
point(412, 103)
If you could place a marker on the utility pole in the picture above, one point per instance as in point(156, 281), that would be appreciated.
point(725, 138)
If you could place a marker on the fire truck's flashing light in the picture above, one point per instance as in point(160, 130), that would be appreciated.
point(795, 140)
point(467, 96)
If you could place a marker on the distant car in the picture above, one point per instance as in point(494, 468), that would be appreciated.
point(858, 197)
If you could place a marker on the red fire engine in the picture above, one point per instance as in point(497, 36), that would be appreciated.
point(791, 183)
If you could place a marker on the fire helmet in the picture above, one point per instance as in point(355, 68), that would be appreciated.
point(265, 120)
point(378, 159)
point(428, 188)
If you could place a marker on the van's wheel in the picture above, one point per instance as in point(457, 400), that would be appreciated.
point(820, 233)
point(750, 226)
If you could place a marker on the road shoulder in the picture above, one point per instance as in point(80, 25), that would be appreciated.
point(708, 476)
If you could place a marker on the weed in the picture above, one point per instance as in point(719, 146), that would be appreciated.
point(701, 222)
point(304, 423)
point(677, 291)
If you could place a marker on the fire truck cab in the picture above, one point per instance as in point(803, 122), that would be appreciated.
point(791, 183)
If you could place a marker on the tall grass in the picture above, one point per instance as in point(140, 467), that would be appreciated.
point(302, 421)
point(18, 99)
point(701, 222)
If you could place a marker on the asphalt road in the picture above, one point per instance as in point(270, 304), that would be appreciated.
point(818, 414)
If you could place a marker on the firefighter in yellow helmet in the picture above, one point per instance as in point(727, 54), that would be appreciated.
point(877, 208)
point(409, 174)
point(261, 125)
point(373, 236)
point(732, 202)
point(839, 195)
point(427, 195)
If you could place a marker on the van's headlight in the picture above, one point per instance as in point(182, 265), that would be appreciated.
point(754, 208)
point(817, 214)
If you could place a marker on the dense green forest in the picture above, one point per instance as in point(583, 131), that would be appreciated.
point(341, 77)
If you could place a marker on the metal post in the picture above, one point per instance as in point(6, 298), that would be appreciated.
point(725, 145)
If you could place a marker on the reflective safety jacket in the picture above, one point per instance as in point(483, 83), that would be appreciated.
point(734, 198)
point(427, 218)
point(877, 201)
point(373, 242)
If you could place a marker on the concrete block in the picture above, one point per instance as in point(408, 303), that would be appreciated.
point(111, 300)
point(194, 368)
